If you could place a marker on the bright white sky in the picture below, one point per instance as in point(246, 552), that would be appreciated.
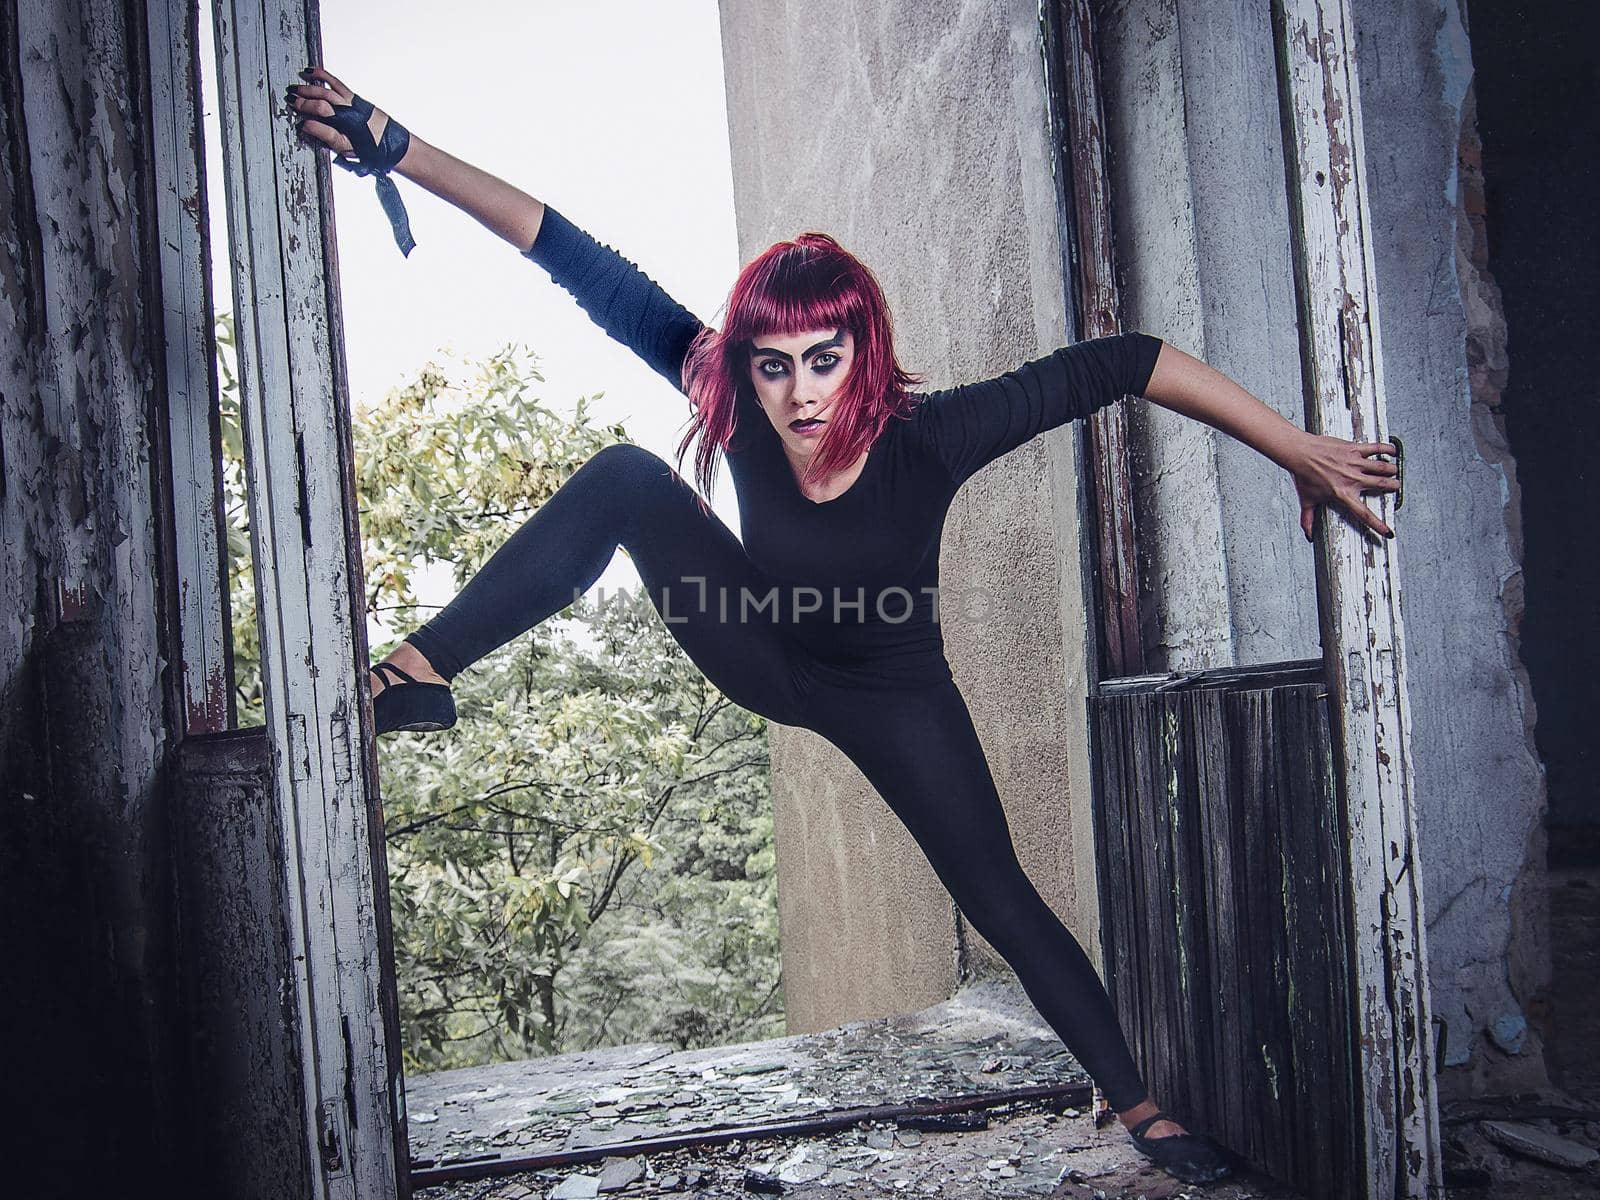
point(613, 113)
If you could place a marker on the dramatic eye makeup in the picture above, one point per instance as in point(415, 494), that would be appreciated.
point(768, 357)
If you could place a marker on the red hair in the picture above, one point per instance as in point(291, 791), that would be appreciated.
point(794, 287)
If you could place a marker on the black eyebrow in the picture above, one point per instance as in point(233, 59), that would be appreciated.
point(836, 340)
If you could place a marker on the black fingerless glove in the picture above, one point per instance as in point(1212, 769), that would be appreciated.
point(375, 158)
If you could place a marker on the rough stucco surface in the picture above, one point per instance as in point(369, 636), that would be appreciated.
point(1480, 787)
point(1202, 227)
point(924, 150)
point(865, 927)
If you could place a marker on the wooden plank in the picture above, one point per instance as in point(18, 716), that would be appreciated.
point(388, 993)
point(1154, 877)
point(1313, 864)
point(74, 218)
point(1116, 903)
point(1292, 1116)
point(1230, 978)
point(1077, 128)
point(1362, 631)
point(1175, 896)
point(1258, 675)
point(1161, 889)
point(245, 1135)
point(296, 423)
point(1212, 863)
point(1145, 808)
point(1331, 833)
point(1131, 964)
point(1111, 861)
point(1344, 1080)
point(1259, 909)
point(1217, 831)
point(194, 431)
point(1194, 908)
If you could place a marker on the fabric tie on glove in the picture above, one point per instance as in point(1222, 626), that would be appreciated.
point(375, 158)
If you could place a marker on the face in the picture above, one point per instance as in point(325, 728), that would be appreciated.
point(796, 379)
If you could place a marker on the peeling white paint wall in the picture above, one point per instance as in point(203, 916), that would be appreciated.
point(1481, 791)
point(1202, 227)
point(84, 875)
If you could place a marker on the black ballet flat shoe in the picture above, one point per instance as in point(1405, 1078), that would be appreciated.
point(1191, 1157)
point(408, 705)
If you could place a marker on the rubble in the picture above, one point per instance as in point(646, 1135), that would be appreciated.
point(1023, 1154)
point(1531, 1146)
point(618, 1173)
point(577, 1186)
point(982, 1040)
point(1017, 1149)
point(1540, 1145)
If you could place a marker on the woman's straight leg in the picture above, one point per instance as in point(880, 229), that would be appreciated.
point(688, 559)
point(918, 748)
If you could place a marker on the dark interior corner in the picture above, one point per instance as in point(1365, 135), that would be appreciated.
point(1535, 78)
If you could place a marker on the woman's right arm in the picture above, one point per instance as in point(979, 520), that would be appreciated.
point(624, 301)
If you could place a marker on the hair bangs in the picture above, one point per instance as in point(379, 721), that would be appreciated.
point(810, 283)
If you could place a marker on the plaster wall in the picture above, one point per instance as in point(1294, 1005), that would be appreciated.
point(924, 149)
point(1202, 226)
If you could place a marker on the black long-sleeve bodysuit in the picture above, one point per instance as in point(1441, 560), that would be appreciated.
point(824, 617)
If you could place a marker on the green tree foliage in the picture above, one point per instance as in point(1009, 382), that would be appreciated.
point(586, 858)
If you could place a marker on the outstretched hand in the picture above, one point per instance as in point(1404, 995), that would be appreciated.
point(317, 98)
point(1333, 469)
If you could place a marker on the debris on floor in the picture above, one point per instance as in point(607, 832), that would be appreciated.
point(987, 1041)
point(1529, 1141)
point(1543, 1145)
point(987, 1038)
point(1528, 1147)
point(1521, 1148)
point(1023, 1153)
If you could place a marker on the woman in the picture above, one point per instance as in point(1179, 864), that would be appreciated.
point(826, 616)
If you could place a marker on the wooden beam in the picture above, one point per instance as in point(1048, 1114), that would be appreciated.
point(302, 520)
point(194, 435)
point(1078, 128)
point(1362, 632)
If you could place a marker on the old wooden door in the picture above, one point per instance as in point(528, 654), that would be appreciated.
point(1261, 915)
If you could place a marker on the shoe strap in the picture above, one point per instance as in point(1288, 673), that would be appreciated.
point(384, 669)
point(1143, 1126)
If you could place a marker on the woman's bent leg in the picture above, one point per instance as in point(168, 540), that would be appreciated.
point(919, 750)
point(688, 559)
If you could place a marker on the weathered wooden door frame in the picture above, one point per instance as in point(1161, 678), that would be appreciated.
point(1357, 580)
point(299, 469)
point(1358, 589)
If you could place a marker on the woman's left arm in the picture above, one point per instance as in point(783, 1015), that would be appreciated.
point(1323, 468)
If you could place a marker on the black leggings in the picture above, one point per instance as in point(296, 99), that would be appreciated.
point(916, 746)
